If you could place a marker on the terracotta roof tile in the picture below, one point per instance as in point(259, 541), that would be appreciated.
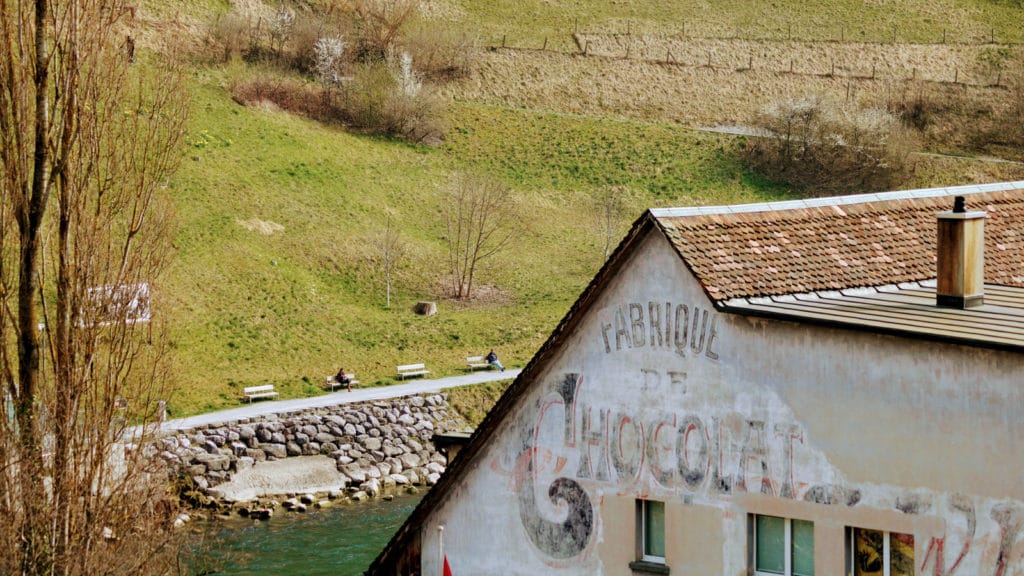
point(846, 243)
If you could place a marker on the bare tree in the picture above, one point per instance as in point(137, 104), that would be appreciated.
point(380, 24)
point(389, 251)
point(86, 141)
point(480, 222)
point(611, 205)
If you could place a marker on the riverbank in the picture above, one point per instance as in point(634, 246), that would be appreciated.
point(312, 458)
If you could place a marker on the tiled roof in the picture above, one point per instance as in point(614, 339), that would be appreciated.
point(840, 243)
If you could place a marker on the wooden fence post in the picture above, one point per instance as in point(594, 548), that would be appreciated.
point(545, 44)
point(750, 62)
point(503, 40)
point(956, 76)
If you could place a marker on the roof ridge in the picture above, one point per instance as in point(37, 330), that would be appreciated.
point(812, 203)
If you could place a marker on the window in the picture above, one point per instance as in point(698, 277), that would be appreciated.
point(650, 538)
point(782, 546)
point(879, 553)
point(652, 530)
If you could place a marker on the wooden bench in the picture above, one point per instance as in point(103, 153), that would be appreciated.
point(476, 362)
point(412, 370)
point(264, 391)
point(332, 381)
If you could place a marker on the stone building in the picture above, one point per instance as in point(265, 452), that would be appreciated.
point(830, 386)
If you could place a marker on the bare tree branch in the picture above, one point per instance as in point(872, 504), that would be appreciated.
point(81, 219)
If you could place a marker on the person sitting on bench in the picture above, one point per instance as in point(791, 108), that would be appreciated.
point(342, 378)
point(492, 359)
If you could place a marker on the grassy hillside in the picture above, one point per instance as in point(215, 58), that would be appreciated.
point(273, 280)
point(274, 277)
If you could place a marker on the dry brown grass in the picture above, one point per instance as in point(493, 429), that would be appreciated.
point(730, 91)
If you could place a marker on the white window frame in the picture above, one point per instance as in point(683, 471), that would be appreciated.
point(642, 521)
point(886, 549)
point(788, 545)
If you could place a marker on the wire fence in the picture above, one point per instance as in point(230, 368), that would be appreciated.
point(979, 64)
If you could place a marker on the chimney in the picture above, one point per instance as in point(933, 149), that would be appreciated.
point(961, 259)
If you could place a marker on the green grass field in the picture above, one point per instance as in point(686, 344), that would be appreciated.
point(274, 276)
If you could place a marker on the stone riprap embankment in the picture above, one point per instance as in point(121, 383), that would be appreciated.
point(374, 446)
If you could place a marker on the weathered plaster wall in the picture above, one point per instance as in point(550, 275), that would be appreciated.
point(659, 396)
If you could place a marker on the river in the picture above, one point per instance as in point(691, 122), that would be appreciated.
point(338, 541)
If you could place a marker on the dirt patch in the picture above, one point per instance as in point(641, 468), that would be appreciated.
point(261, 226)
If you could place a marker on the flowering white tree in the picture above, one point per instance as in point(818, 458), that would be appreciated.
point(327, 54)
point(408, 81)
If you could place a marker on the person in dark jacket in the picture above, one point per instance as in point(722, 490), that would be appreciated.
point(492, 359)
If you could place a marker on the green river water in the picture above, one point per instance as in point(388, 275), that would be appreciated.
point(338, 541)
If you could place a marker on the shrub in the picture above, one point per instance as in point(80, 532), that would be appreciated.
point(439, 52)
point(232, 35)
point(821, 147)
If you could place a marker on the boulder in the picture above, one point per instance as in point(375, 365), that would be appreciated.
point(275, 450)
point(409, 460)
point(425, 308)
point(214, 462)
point(372, 487)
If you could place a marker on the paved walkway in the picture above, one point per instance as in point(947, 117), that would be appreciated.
point(263, 408)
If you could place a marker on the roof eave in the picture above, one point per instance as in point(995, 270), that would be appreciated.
point(439, 493)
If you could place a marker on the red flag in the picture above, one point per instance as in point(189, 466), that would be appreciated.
point(447, 568)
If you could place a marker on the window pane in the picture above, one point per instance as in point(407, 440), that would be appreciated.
point(901, 554)
point(654, 529)
point(803, 548)
point(867, 552)
point(771, 545)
